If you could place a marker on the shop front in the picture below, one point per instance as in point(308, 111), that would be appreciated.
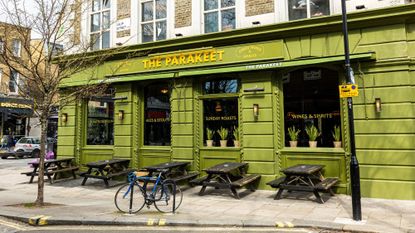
point(14, 112)
point(241, 97)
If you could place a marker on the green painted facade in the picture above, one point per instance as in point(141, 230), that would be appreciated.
point(382, 44)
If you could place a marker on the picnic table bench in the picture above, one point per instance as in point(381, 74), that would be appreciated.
point(17, 155)
point(307, 178)
point(106, 170)
point(52, 167)
point(228, 175)
point(176, 171)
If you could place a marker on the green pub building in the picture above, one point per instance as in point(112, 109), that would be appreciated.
point(168, 98)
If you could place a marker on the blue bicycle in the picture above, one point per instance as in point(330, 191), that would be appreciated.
point(165, 194)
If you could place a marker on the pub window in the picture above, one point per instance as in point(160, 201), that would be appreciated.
point(300, 9)
point(311, 97)
point(157, 129)
point(220, 112)
point(100, 24)
point(100, 122)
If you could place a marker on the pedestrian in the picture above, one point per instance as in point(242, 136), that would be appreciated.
point(10, 143)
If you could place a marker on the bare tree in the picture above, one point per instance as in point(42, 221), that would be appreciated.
point(41, 66)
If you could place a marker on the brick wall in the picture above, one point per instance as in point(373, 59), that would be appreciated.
point(183, 13)
point(258, 7)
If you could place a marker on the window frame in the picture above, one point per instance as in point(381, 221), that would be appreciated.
point(204, 96)
point(153, 21)
point(219, 10)
point(308, 8)
point(18, 42)
point(99, 32)
point(16, 82)
point(86, 118)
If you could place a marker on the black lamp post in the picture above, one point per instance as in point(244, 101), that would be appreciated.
point(354, 164)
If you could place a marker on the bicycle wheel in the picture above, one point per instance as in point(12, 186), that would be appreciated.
point(164, 197)
point(123, 196)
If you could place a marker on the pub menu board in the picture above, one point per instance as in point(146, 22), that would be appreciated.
point(220, 113)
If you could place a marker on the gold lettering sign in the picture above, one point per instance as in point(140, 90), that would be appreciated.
point(15, 105)
point(312, 115)
point(187, 58)
point(151, 120)
point(221, 118)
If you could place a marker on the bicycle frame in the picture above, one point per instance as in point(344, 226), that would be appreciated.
point(149, 198)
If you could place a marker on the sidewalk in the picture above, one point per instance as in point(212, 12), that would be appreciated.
point(93, 204)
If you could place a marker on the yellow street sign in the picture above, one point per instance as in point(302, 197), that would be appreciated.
point(349, 90)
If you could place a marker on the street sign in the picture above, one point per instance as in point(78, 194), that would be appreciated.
point(349, 90)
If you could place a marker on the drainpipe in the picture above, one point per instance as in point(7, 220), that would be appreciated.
point(354, 164)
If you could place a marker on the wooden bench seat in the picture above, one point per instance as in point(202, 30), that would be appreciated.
point(198, 181)
point(109, 176)
point(276, 183)
point(245, 180)
point(187, 176)
point(326, 184)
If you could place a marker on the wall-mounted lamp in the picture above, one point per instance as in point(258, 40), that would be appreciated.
point(256, 23)
point(121, 115)
point(255, 110)
point(64, 117)
point(178, 34)
point(378, 105)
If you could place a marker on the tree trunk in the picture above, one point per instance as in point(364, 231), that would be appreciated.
point(41, 180)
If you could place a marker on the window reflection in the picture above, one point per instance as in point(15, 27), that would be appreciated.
point(153, 20)
point(219, 17)
point(311, 98)
point(221, 86)
point(157, 127)
point(100, 122)
point(299, 9)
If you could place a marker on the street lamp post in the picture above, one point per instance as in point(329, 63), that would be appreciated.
point(354, 164)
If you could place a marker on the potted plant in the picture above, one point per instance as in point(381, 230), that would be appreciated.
point(223, 133)
point(293, 134)
point(236, 136)
point(312, 133)
point(209, 136)
point(337, 137)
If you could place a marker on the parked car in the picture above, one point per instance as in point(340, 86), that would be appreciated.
point(28, 144)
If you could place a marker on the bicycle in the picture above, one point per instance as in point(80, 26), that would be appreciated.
point(165, 194)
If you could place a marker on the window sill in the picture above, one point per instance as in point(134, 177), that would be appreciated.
point(313, 150)
point(221, 148)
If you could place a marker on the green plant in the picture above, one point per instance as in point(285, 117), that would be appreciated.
point(293, 133)
point(336, 133)
point(209, 134)
point(223, 133)
point(236, 133)
point(312, 132)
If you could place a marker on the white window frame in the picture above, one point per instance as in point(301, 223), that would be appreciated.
point(154, 20)
point(1, 78)
point(16, 82)
point(2, 46)
point(237, 8)
point(101, 29)
point(16, 47)
point(287, 13)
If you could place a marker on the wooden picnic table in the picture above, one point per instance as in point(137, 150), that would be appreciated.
point(304, 177)
point(229, 175)
point(52, 167)
point(106, 169)
point(175, 171)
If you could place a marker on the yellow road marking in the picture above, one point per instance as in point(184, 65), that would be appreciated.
point(289, 224)
point(279, 224)
point(162, 222)
point(43, 220)
point(33, 220)
point(12, 225)
point(150, 222)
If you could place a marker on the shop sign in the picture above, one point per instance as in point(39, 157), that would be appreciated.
point(312, 75)
point(292, 115)
point(221, 118)
point(16, 105)
point(350, 90)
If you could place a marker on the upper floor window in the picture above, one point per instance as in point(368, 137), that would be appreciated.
point(219, 15)
point(100, 24)
point(1, 46)
point(16, 47)
point(153, 20)
point(13, 82)
point(300, 9)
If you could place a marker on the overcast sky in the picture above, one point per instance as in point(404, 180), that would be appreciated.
point(29, 5)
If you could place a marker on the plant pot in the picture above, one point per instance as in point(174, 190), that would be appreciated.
point(293, 143)
point(337, 144)
point(209, 143)
point(236, 143)
point(312, 144)
point(223, 143)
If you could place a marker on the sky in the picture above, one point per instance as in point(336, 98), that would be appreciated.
point(29, 5)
